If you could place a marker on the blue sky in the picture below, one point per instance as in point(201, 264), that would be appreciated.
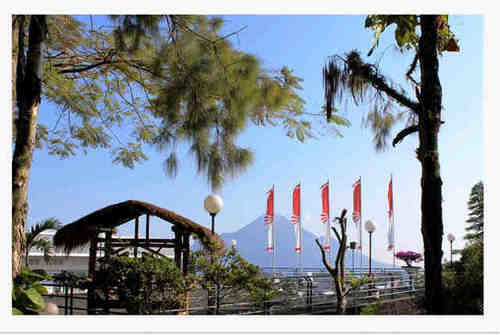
point(68, 189)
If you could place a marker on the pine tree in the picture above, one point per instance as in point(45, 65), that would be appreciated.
point(363, 81)
point(162, 81)
point(476, 213)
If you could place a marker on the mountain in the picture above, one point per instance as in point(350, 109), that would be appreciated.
point(251, 242)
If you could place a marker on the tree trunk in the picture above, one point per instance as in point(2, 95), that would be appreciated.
point(17, 22)
point(342, 305)
point(28, 87)
point(427, 153)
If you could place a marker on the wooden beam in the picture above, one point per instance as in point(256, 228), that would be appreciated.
point(128, 240)
point(143, 244)
point(156, 252)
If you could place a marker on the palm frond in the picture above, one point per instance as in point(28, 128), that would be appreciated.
point(45, 246)
point(37, 229)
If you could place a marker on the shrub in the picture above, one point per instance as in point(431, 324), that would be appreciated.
point(371, 309)
point(146, 285)
point(463, 282)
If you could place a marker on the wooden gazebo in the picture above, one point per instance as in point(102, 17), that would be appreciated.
point(89, 229)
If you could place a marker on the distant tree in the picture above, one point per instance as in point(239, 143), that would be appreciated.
point(464, 280)
point(428, 36)
point(476, 213)
point(33, 239)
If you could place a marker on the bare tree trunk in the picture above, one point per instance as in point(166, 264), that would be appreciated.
point(28, 87)
point(337, 272)
point(342, 305)
point(430, 121)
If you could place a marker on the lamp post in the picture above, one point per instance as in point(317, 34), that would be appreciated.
point(213, 204)
point(352, 246)
point(370, 228)
point(451, 238)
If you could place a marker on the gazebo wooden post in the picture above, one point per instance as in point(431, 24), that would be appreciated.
point(107, 244)
point(107, 255)
point(178, 246)
point(91, 303)
point(136, 236)
point(147, 230)
point(185, 264)
point(185, 252)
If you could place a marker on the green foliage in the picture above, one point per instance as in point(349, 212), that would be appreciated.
point(463, 282)
point(406, 33)
point(476, 213)
point(162, 80)
point(231, 274)
point(371, 309)
point(27, 292)
point(356, 283)
point(146, 285)
point(350, 75)
point(362, 81)
point(71, 279)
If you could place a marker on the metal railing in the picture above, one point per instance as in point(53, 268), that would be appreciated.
point(310, 291)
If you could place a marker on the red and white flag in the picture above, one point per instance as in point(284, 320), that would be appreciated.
point(269, 218)
point(390, 226)
point(325, 213)
point(356, 211)
point(296, 220)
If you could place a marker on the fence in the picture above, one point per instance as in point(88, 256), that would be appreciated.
point(299, 291)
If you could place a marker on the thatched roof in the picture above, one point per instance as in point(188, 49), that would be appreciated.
point(82, 230)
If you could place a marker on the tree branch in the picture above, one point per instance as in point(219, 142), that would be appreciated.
point(379, 83)
point(325, 261)
point(412, 68)
point(403, 133)
point(84, 68)
point(336, 234)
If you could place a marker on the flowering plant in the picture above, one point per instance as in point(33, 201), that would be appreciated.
point(409, 257)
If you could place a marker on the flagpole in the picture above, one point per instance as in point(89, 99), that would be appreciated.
point(393, 228)
point(300, 227)
point(273, 237)
point(360, 223)
point(329, 221)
